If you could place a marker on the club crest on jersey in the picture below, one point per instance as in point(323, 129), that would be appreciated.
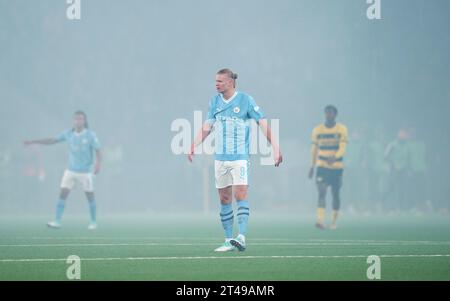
point(256, 108)
point(236, 110)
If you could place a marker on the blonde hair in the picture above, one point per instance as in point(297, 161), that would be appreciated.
point(230, 74)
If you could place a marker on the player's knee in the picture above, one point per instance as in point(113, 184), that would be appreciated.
point(322, 195)
point(64, 193)
point(321, 203)
point(240, 195)
point(336, 201)
point(225, 198)
point(336, 204)
point(90, 196)
point(322, 188)
point(335, 191)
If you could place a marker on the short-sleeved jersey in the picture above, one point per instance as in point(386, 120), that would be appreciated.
point(330, 142)
point(231, 125)
point(81, 149)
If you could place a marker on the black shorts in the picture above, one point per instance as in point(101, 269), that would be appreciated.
point(331, 177)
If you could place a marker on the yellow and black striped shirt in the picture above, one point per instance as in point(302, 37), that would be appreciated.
point(328, 142)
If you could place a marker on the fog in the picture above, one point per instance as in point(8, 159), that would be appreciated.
point(136, 66)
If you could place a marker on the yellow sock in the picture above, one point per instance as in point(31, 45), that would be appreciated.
point(335, 216)
point(320, 215)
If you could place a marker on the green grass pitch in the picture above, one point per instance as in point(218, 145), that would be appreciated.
point(175, 247)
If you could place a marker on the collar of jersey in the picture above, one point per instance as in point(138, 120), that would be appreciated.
point(80, 133)
point(230, 99)
point(225, 105)
point(325, 126)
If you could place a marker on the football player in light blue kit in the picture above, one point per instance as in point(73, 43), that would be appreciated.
point(230, 113)
point(83, 143)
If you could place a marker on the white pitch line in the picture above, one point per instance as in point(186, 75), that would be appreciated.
point(128, 238)
point(212, 244)
point(223, 257)
point(109, 244)
point(118, 237)
point(384, 241)
point(285, 240)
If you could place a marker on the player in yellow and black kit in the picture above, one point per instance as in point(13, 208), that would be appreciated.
point(328, 147)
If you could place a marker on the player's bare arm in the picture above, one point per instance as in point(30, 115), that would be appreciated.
point(46, 141)
point(277, 156)
point(201, 136)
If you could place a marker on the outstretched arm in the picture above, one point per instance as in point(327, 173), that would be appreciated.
point(201, 136)
point(278, 158)
point(46, 141)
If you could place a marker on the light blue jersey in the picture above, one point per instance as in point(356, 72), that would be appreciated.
point(231, 120)
point(81, 149)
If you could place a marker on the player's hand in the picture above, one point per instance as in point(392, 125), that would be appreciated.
point(278, 158)
point(191, 156)
point(311, 172)
point(96, 168)
point(331, 160)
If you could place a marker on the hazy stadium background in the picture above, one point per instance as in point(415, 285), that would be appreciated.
point(135, 66)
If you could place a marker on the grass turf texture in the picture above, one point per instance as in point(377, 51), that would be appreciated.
point(172, 247)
